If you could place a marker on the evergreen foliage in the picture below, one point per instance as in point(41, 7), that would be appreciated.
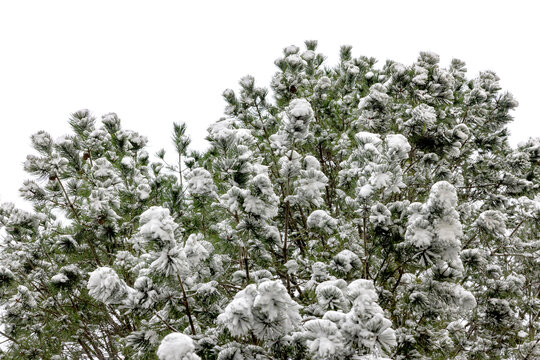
point(357, 212)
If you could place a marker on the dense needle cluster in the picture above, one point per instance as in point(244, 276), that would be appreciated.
point(353, 212)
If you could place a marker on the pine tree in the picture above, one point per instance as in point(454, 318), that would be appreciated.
point(355, 211)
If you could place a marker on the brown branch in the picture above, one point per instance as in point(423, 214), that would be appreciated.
point(186, 304)
point(9, 337)
point(169, 326)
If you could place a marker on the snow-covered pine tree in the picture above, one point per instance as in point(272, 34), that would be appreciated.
point(358, 211)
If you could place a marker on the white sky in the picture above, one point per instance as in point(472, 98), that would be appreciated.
point(156, 62)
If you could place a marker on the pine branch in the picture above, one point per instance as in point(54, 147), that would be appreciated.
point(186, 304)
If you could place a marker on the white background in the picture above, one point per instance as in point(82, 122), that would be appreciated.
point(156, 62)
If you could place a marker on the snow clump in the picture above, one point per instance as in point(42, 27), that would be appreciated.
point(177, 346)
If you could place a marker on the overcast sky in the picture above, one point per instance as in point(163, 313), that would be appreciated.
point(155, 62)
